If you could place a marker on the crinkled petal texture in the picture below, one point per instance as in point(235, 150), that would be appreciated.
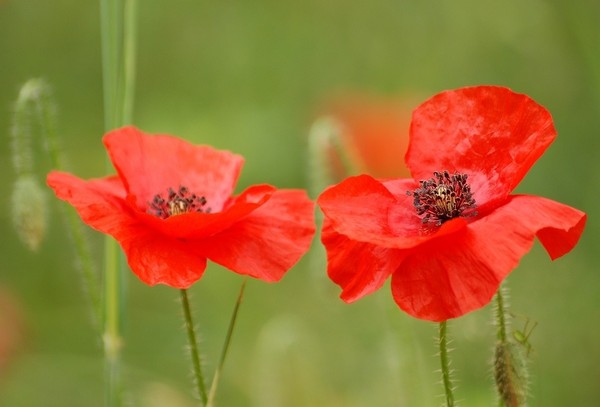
point(441, 273)
point(153, 257)
point(267, 242)
point(488, 132)
point(381, 213)
point(195, 225)
point(368, 227)
point(262, 232)
point(151, 164)
point(452, 275)
point(359, 268)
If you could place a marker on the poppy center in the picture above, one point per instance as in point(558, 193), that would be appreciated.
point(443, 197)
point(177, 202)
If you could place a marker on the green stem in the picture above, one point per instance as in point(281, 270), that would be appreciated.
point(110, 23)
point(213, 388)
point(129, 50)
point(21, 149)
point(48, 128)
point(511, 374)
point(189, 325)
point(445, 362)
point(84, 254)
point(112, 323)
point(81, 246)
point(118, 30)
point(501, 315)
point(112, 28)
point(35, 99)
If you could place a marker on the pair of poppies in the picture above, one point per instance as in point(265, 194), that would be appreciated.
point(448, 236)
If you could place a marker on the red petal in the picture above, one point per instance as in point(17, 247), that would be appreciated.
point(269, 241)
point(358, 268)
point(157, 259)
point(558, 226)
point(450, 276)
point(490, 133)
point(196, 225)
point(153, 257)
point(99, 202)
point(366, 210)
point(151, 164)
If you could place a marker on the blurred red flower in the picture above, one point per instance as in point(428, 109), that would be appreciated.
point(452, 233)
point(171, 208)
point(374, 134)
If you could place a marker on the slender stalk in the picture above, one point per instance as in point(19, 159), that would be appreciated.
point(112, 28)
point(501, 316)
point(118, 28)
point(35, 102)
point(112, 323)
point(48, 128)
point(84, 254)
point(445, 362)
point(511, 373)
point(81, 246)
point(213, 388)
point(194, 353)
point(129, 50)
point(110, 52)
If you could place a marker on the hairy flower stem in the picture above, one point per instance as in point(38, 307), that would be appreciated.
point(191, 333)
point(510, 365)
point(213, 388)
point(445, 362)
point(35, 104)
point(501, 315)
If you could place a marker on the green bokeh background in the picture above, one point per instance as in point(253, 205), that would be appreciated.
point(249, 77)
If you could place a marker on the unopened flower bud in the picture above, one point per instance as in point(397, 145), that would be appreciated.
point(29, 211)
point(511, 375)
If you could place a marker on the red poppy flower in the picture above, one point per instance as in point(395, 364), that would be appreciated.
point(374, 133)
point(171, 208)
point(449, 236)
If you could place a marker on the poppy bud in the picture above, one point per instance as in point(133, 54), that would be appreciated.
point(510, 374)
point(329, 160)
point(29, 211)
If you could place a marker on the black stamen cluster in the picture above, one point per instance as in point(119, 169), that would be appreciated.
point(176, 203)
point(443, 197)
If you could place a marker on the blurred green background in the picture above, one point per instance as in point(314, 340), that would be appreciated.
point(250, 77)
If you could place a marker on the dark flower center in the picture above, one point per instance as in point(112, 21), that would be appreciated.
point(443, 197)
point(177, 203)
